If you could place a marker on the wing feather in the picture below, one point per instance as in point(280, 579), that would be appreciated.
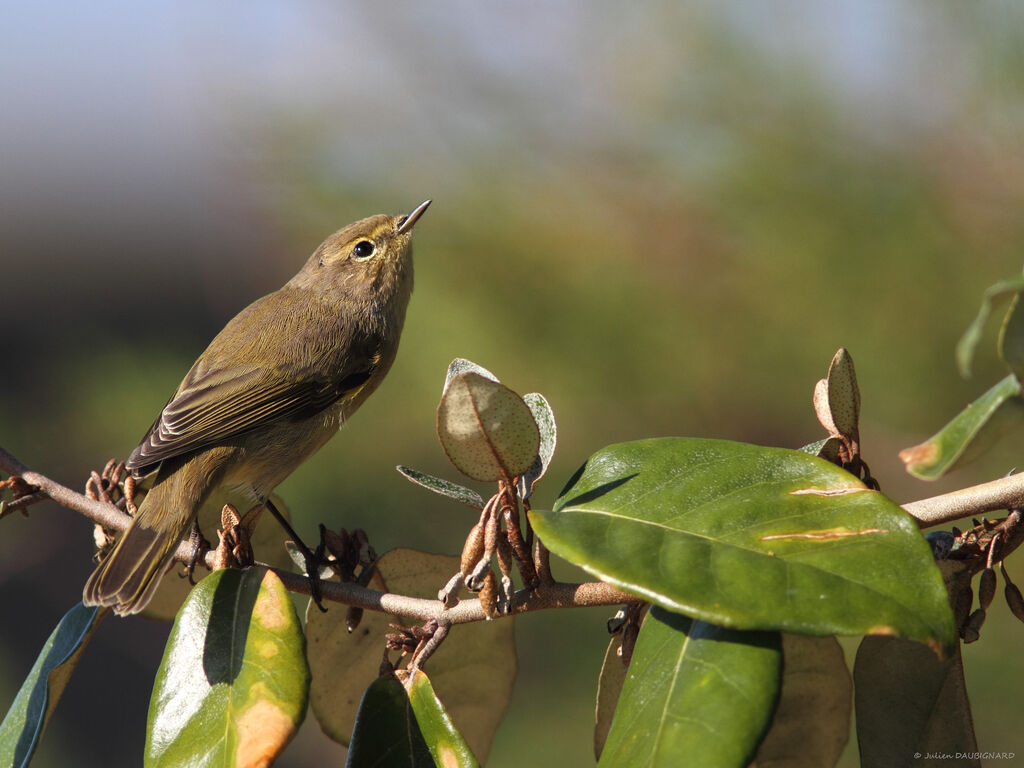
point(220, 405)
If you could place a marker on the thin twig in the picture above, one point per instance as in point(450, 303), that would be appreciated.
point(21, 502)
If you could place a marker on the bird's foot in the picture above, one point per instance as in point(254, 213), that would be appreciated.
point(200, 547)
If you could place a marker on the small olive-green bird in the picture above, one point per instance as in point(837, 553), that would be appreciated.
point(269, 391)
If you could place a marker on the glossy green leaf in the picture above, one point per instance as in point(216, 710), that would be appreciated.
point(486, 429)
point(749, 537)
point(1011, 338)
point(473, 671)
point(695, 694)
point(446, 744)
point(444, 487)
point(910, 703)
point(233, 684)
point(25, 721)
point(812, 721)
point(969, 341)
point(402, 723)
point(545, 419)
point(976, 428)
point(387, 734)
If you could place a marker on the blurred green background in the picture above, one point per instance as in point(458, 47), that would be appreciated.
point(665, 219)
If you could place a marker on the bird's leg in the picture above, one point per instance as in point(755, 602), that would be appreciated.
point(313, 559)
point(199, 548)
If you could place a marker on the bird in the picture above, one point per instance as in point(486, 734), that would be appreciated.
point(270, 390)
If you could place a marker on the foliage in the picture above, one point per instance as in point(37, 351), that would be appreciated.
point(993, 414)
point(738, 565)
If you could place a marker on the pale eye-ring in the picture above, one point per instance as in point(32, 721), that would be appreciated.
point(364, 249)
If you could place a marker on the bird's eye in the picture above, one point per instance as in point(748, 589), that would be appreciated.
point(364, 249)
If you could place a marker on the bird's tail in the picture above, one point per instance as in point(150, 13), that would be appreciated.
point(128, 577)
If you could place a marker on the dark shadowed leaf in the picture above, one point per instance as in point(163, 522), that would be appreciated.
point(909, 702)
point(749, 537)
point(386, 732)
point(25, 721)
point(812, 721)
point(402, 723)
point(444, 487)
point(695, 694)
point(1011, 338)
point(486, 429)
point(609, 686)
point(473, 671)
point(233, 684)
point(969, 341)
point(976, 428)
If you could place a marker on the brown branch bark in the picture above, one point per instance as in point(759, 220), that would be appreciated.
point(555, 595)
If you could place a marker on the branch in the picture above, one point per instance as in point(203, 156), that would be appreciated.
point(1004, 493)
point(556, 595)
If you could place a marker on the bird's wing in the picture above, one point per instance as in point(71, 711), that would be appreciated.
point(221, 404)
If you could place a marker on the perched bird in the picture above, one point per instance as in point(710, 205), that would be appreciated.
point(273, 386)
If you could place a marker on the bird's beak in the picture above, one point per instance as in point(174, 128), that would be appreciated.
point(409, 221)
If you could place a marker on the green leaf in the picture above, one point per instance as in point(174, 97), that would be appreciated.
point(486, 429)
point(402, 723)
point(751, 538)
point(909, 702)
point(444, 741)
point(812, 721)
point(25, 721)
point(969, 341)
point(979, 426)
point(386, 733)
point(233, 684)
point(444, 487)
point(695, 694)
point(609, 686)
point(473, 671)
point(545, 418)
point(1011, 338)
